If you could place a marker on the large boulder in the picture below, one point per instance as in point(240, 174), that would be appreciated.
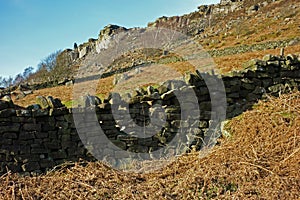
point(42, 101)
point(54, 103)
point(111, 29)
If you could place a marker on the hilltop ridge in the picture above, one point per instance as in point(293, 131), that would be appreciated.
point(232, 32)
point(230, 23)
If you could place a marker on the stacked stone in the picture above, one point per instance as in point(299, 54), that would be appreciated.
point(37, 138)
point(253, 47)
point(147, 108)
point(271, 75)
point(45, 134)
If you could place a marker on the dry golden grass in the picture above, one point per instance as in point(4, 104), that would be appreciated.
point(66, 93)
point(153, 75)
point(61, 92)
point(182, 67)
point(260, 161)
point(277, 21)
point(234, 62)
point(268, 24)
point(104, 86)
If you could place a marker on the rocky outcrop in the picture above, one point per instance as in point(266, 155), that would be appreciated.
point(202, 24)
point(192, 24)
point(106, 35)
point(94, 45)
point(207, 16)
point(195, 23)
point(86, 48)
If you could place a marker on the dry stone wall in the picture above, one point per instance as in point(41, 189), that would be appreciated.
point(35, 139)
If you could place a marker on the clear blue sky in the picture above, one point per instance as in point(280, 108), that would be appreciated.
point(32, 29)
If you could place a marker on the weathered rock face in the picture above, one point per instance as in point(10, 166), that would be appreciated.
point(111, 30)
point(86, 48)
point(206, 16)
point(106, 35)
point(66, 57)
point(228, 6)
point(84, 51)
point(195, 23)
point(76, 56)
point(44, 135)
point(201, 24)
point(224, 2)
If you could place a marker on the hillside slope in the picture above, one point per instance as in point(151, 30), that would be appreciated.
point(234, 35)
point(260, 160)
point(230, 24)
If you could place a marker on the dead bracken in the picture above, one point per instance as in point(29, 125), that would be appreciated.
point(260, 160)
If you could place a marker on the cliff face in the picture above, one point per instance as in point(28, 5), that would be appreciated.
point(92, 45)
point(196, 22)
point(208, 15)
point(220, 20)
point(192, 24)
point(106, 35)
